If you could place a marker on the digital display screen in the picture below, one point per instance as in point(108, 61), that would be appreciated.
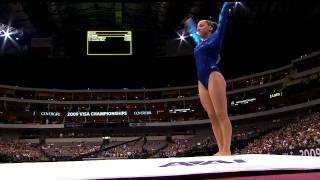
point(109, 43)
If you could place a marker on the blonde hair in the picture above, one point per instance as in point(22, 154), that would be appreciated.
point(212, 24)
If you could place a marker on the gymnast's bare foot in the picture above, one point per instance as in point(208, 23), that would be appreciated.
point(222, 154)
point(227, 153)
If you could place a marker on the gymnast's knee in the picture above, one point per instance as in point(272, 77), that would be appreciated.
point(221, 115)
point(211, 115)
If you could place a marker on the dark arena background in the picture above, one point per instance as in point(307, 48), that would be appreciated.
point(109, 90)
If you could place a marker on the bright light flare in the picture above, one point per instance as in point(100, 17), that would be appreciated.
point(6, 34)
point(182, 37)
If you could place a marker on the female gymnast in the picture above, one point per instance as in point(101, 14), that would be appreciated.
point(208, 36)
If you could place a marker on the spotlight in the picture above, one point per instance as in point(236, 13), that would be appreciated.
point(6, 31)
point(181, 37)
point(6, 34)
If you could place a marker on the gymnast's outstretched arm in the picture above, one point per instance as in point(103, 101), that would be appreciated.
point(192, 29)
point(218, 36)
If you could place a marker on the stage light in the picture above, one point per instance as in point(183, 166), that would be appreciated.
point(181, 37)
point(6, 34)
point(6, 31)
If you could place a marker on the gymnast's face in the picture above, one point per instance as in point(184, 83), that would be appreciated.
point(203, 28)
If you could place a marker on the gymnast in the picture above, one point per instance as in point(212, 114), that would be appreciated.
point(208, 36)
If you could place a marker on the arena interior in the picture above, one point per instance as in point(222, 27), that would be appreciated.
point(67, 99)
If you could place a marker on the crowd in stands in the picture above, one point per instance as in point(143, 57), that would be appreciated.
point(18, 151)
point(152, 146)
point(66, 151)
point(299, 133)
point(305, 133)
point(181, 146)
point(125, 151)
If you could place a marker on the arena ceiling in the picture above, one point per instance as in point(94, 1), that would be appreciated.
point(271, 32)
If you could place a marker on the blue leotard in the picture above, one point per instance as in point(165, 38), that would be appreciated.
point(207, 51)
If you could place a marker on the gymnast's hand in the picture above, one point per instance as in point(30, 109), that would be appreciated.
point(186, 20)
point(231, 6)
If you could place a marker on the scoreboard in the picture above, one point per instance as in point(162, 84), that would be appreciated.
point(109, 43)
